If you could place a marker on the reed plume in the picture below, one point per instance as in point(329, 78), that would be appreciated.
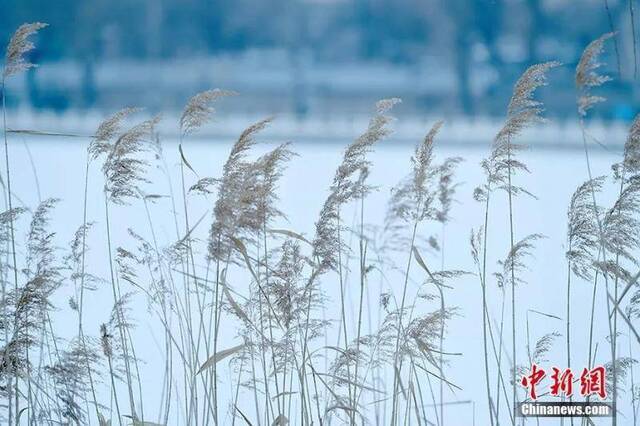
point(15, 62)
point(587, 74)
point(523, 111)
point(582, 232)
point(349, 184)
point(233, 208)
point(199, 110)
point(123, 168)
point(19, 45)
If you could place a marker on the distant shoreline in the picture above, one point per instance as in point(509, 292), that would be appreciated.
point(459, 131)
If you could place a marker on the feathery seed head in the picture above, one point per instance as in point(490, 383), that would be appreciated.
point(515, 260)
point(587, 75)
point(107, 131)
point(631, 162)
point(446, 187)
point(533, 78)
point(123, 168)
point(413, 197)
point(543, 346)
point(19, 45)
point(236, 206)
point(523, 111)
point(583, 232)
point(620, 223)
point(199, 110)
point(349, 180)
point(348, 184)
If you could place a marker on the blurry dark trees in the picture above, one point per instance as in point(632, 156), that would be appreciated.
point(395, 30)
point(493, 39)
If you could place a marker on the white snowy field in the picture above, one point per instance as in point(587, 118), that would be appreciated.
point(48, 166)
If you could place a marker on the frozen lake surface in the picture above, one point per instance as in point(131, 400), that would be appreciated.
point(55, 167)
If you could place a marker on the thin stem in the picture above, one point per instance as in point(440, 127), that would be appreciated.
point(12, 233)
point(398, 362)
point(513, 278)
point(120, 316)
point(633, 37)
point(343, 315)
point(362, 284)
point(615, 39)
point(568, 321)
point(485, 312)
point(442, 313)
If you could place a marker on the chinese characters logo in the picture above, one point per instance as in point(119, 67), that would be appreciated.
point(592, 382)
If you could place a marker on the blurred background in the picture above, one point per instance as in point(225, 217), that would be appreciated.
point(321, 58)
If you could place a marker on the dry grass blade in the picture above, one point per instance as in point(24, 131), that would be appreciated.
point(624, 292)
point(20, 413)
point(291, 234)
point(281, 394)
point(351, 382)
point(219, 356)
point(400, 384)
point(243, 251)
point(235, 306)
point(438, 377)
point(426, 351)
point(434, 279)
point(545, 314)
point(423, 265)
point(153, 197)
point(625, 318)
point(329, 388)
point(342, 407)
point(46, 133)
point(184, 160)
point(244, 417)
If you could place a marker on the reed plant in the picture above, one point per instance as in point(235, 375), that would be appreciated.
point(262, 324)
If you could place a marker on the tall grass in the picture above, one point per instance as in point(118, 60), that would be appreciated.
point(249, 310)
